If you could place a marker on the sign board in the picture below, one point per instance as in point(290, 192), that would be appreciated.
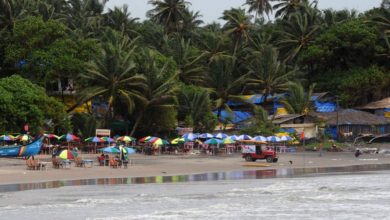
point(103, 132)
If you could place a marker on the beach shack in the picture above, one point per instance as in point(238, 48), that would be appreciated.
point(347, 124)
point(380, 108)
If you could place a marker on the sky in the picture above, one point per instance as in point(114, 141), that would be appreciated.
point(211, 10)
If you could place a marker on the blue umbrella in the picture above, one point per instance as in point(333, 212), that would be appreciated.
point(221, 136)
point(190, 136)
point(234, 137)
point(273, 139)
point(285, 138)
point(260, 138)
point(112, 150)
point(244, 137)
point(213, 141)
point(206, 135)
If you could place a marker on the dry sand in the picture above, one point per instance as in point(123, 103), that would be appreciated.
point(14, 170)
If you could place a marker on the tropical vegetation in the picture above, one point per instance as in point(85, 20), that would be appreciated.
point(174, 69)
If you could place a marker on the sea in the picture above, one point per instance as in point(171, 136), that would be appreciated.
point(288, 194)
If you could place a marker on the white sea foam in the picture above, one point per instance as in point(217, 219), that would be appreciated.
point(358, 196)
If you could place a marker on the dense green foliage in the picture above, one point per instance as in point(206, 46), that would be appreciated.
point(173, 69)
point(22, 102)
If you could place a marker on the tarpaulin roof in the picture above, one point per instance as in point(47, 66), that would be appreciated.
point(235, 116)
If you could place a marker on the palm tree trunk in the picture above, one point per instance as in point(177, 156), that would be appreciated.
point(137, 122)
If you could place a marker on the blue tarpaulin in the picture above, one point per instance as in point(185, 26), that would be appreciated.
point(325, 106)
point(235, 116)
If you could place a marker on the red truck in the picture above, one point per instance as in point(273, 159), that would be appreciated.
point(257, 150)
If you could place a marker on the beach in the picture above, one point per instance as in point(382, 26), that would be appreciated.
point(14, 170)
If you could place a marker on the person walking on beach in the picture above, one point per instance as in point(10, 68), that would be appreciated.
point(320, 149)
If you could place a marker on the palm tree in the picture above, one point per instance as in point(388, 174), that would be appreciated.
point(191, 22)
point(161, 85)
point(168, 13)
point(297, 34)
point(237, 26)
point(266, 73)
point(119, 19)
point(287, 7)
point(259, 7)
point(298, 101)
point(224, 85)
point(111, 75)
point(187, 58)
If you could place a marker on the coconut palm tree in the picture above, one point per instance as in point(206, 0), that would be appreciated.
point(168, 13)
point(298, 101)
point(267, 74)
point(287, 7)
point(119, 19)
point(112, 76)
point(259, 7)
point(224, 85)
point(237, 26)
point(161, 83)
point(296, 34)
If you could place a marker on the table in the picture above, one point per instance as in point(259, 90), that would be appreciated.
point(66, 164)
point(88, 162)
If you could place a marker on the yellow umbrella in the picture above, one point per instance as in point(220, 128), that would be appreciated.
point(177, 141)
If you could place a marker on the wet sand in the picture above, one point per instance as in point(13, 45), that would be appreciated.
point(14, 170)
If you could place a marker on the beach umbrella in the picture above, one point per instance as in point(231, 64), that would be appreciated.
point(24, 137)
point(7, 138)
point(190, 136)
point(260, 138)
point(130, 150)
point(285, 138)
point(125, 150)
point(94, 139)
point(234, 137)
point(108, 139)
point(213, 141)
point(67, 154)
point(221, 136)
point(206, 135)
point(145, 139)
point(178, 141)
point(157, 141)
point(228, 141)
point(50, 136)
point(110, 150)
point(244, 137)
point(69, 137)
point(126, 139)
point(273, 139)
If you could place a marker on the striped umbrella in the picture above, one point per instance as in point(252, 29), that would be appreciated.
point(244, 137)
point(178, 141)
point(228, 141)
point(51, 136)
point(213, 141)
point(69, 137)
point(67, 154)
point(24, 137)
point(145, 139)
point(157, 141)
point(7, 138)
point(273, 139)
point(285, 138)
point(110, 150)
point(260, 138)
point(108, 139)
point(234, 137)
point(221, 135)
point(126, 139)
point(190, 136)
point(94, 139)
point(206, 135)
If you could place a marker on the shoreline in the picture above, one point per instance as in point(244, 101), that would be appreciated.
point(13, 171)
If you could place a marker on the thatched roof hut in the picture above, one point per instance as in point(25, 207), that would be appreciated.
point(381, 104)
point(351, 117)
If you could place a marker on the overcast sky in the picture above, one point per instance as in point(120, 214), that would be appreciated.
point(211, 10)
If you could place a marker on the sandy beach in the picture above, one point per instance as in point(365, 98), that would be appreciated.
point(14, 170)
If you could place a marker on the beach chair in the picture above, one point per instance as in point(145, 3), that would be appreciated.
point(79, 162)
point(113, 163)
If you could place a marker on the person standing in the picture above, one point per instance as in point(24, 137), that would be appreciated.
point(320, 149)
